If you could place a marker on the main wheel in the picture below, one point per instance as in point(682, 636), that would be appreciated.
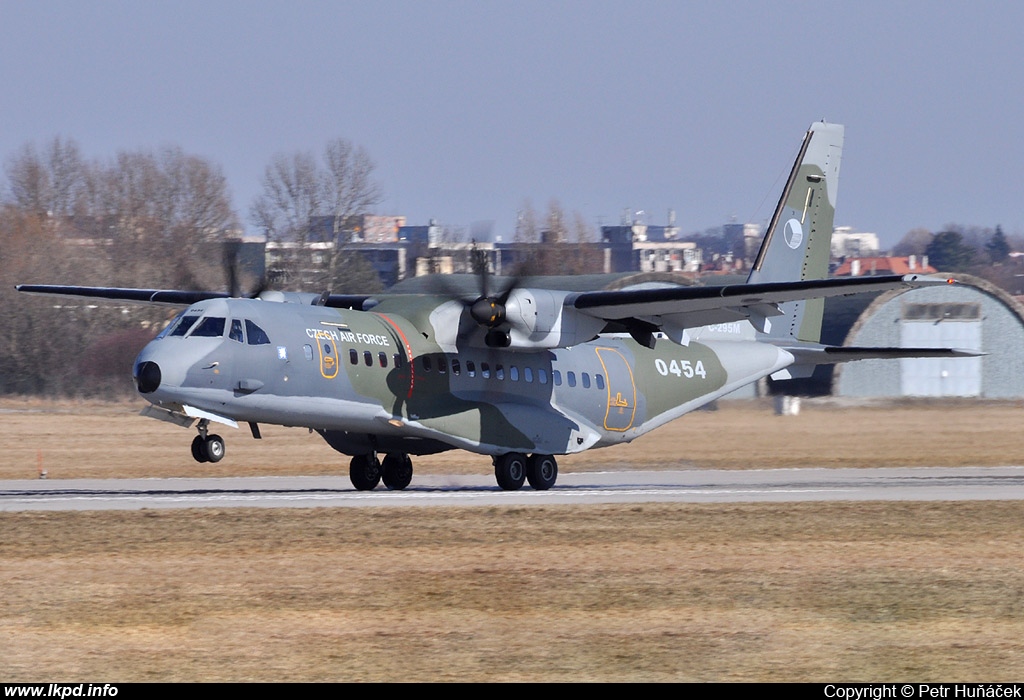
point(364, 471)
point(213, 448)
point(397, 471)
point(199, 449)
point(510, 471)
point(541, 471)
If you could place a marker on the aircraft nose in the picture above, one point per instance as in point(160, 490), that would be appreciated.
point(147, 377)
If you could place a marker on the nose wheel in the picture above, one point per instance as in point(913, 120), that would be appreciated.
point(206, 447)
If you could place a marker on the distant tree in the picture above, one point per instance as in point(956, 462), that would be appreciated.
point(47, 182)
point(914, 242)
point(997, 247)
point(948, 253)
point(526, 224)
point(297, 188)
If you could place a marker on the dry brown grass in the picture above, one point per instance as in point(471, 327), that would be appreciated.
point(791, 592)
point(750, 592)
point(95, 439)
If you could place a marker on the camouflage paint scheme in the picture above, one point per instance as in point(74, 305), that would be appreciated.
point(541, 371)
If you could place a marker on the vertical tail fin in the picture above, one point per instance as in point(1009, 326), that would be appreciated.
point(798, 241)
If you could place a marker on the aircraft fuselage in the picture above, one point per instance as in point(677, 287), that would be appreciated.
point(376, 381)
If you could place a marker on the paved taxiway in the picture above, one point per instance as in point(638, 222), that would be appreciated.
point(689, 486)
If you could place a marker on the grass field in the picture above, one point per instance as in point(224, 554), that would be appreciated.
point(703, 592)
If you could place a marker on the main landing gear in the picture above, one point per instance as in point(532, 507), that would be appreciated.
point(512, 469)
point(366, 471)
point(206, 447)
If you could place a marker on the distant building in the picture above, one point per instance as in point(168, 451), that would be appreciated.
point(909, 265)
point(847, 243)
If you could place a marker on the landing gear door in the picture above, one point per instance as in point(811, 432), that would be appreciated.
point(621, 390)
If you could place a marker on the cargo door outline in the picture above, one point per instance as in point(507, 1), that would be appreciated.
point(621, 410)
point(328, 349)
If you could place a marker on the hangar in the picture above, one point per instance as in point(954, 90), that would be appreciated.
point(973, 315)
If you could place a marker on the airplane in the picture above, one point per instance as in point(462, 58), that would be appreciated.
point(521, 375)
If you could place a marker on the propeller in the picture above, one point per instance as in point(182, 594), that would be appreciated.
point(488, 308)
point(232, 249)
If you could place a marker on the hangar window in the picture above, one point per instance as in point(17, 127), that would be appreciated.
point(941, 312)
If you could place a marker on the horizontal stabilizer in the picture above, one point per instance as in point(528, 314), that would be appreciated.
point(832, 354)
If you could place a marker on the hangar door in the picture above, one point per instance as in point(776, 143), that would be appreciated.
point(943, 325)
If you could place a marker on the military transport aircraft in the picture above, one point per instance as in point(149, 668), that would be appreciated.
point(520, 375)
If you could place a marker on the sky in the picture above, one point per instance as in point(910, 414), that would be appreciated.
point(472, 109)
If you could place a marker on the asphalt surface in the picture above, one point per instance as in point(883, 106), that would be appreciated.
point(689, 486)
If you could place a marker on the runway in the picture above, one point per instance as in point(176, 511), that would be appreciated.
point(682, 486)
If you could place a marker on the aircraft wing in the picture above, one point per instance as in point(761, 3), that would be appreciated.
point(142, 296)
point(182, 297)
point(689, 307)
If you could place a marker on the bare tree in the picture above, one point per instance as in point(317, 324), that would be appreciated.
point(297, 192)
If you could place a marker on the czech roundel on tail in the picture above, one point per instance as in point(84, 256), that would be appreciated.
point(520, 375)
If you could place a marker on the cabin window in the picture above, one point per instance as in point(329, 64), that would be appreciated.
point(368, 358)
point(353, 356)
point(556, 377)
point(599, 378)
point(485, 370)
point(456, 368)
point(527, 374)
point(382, 357)
point(499, 372)
point(210, 327)
point(255, 334)
point(236, 330)
point(586, 380)
point(426, 363)
point(513, 373)
point(307, 350)
point(442, 365)
point(398, 360)
point(570, 378)
point(542, 376)
point(470, 368)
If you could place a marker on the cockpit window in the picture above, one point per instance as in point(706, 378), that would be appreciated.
point(236, 330)
point(209, 327)
point(256, 335)
point(181, 325)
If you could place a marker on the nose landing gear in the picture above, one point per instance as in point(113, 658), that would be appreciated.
point(206, 447)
